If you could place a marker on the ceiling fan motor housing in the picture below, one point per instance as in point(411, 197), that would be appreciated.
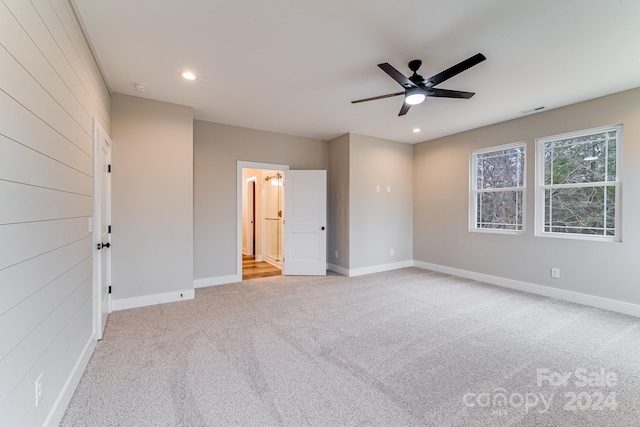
point(415, 65)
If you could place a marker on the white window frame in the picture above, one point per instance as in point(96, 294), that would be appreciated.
point(541, 187)
point(473, 191)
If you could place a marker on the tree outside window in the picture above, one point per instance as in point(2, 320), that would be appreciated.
point(578, 184)
point(497, 197)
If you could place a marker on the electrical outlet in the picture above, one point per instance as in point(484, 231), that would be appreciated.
point(391, 252)
point(336, 254)
point(39, 390)
point(555, 273)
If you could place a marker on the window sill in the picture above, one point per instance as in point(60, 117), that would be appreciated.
point(570, 236)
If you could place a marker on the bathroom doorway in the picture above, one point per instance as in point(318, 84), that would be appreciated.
point(303, 243)
point(262, 222)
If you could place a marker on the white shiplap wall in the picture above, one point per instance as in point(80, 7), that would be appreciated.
point(50, 88)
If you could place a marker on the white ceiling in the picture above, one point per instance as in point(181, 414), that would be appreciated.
point(293, 66)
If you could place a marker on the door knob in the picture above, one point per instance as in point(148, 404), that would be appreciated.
point(105, 245)
point(322, 228)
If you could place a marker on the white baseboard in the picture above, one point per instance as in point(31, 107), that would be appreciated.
point(145, 300)
point(62, 401)
point(579, 298)
point(217, 280)
point(377, 268)
point(259, 258)
point(338, 269)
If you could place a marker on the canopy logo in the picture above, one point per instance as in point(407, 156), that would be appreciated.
point(499, 400)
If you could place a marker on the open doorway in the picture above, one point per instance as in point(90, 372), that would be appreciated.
point(262, 222)
point(304, 240)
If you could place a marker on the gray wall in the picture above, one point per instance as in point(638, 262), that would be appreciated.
point(441, 177)
point(217, 149)
point(380, 221)
point(338, 202)
point(50, 88)
point(152, 209)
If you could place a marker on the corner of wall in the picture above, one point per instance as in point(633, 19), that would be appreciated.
point(338, 203)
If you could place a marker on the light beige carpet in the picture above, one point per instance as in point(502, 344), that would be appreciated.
point(407, 347)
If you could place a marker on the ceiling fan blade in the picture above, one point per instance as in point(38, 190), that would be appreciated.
point(397, 75)
point(378, 97)
point(404, 109)
point(455, 70)
point(446, 93)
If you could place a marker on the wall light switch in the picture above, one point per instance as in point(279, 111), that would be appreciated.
point(388, 189)
point(336, 254)
point(377, 188)
point(90, 228)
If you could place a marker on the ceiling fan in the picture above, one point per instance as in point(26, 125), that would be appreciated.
point(416, 87)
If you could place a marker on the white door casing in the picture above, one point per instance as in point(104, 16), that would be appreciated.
point(305, 220)
point(101, 229)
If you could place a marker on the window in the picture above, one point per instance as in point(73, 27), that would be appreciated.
point(578, 184)
point(498, 189)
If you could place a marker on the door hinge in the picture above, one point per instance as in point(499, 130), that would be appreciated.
point(109, 288)
point(109, 168)
point(109, 231)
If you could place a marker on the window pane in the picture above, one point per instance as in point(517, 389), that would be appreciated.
point(586, 210)
point(500, 169)
point(611, 157)
point(589, 158)
point(500, 210)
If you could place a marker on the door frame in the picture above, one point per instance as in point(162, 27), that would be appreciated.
point(96, 229)
point(250, 188)
point(239, 184)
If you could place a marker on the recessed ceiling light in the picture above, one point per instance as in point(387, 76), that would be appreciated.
point(189, 76)
point(416, 130)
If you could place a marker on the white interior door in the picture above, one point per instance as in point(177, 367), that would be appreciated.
point(102, 231)
point(305, 220)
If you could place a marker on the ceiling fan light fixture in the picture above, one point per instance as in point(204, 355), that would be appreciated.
point(414, 96)
point(416, 88)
